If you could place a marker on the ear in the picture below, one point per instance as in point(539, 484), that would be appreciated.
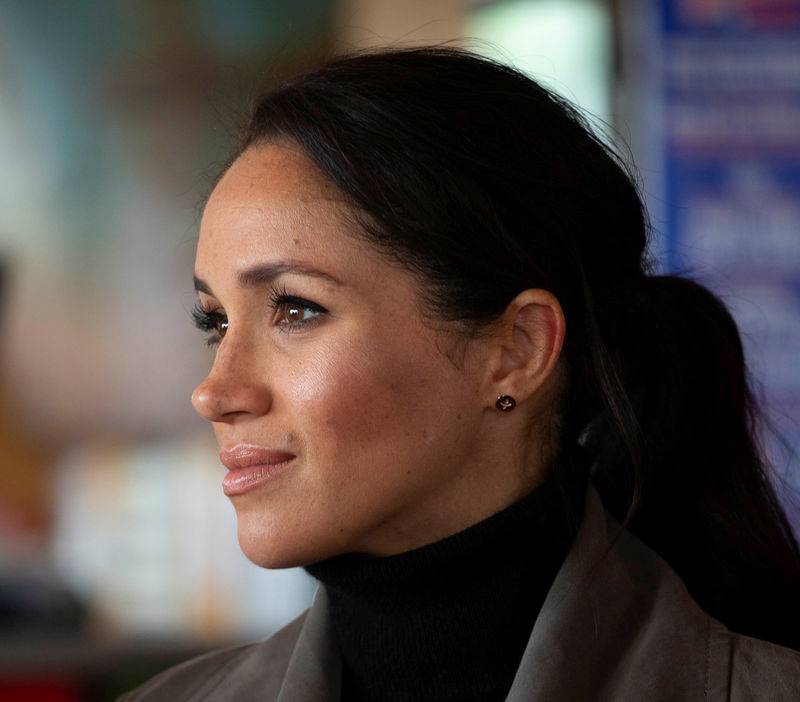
point(527, 344)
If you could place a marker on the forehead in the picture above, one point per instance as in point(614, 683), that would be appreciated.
point(273, 197)
point(272, 180)
point(279, 170)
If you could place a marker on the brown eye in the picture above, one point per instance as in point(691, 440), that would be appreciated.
point(221, 325)
point(294, 313)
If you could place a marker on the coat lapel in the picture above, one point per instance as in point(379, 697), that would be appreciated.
point(315, 671)
point(617, 624)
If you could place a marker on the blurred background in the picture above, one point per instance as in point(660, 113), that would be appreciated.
point(118, 551)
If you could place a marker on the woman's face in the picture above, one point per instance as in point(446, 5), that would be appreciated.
point(343, 421)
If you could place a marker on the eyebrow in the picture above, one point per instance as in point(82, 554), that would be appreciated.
point(262, 274)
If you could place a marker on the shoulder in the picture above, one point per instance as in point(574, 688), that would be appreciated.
point(762, 670)
point(241, 673)
point(734, 666)
point(726, 665)
point(621, 610)
point(696, 651)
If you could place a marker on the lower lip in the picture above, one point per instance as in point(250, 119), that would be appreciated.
point(242, 480)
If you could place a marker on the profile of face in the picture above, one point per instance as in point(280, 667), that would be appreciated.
point(349, 421)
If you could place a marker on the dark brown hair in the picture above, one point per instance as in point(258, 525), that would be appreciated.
point(484, 184)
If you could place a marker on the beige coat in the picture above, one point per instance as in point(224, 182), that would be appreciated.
point(620, 627)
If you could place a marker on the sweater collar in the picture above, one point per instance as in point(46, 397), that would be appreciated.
point(450, 620)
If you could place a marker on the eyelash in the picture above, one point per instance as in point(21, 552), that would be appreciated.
point(211, 320)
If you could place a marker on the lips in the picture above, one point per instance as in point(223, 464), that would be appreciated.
point(250, 466)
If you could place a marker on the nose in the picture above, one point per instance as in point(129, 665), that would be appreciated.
point(232, 389)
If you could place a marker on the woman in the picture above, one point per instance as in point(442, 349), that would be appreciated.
point(426, 282)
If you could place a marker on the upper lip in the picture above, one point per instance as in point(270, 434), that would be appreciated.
point(246, 455)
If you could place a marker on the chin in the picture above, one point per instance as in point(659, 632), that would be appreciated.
point(270, 546)
point(267, 553)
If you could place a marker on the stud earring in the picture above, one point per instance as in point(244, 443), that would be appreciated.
point(505, 403)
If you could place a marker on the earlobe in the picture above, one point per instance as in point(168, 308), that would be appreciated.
point(528, 340)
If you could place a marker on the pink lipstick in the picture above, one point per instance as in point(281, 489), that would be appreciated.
point(250, 466)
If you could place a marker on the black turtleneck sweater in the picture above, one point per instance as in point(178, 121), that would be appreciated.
point(450, 621)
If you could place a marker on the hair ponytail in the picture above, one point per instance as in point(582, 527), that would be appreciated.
point(705, 500)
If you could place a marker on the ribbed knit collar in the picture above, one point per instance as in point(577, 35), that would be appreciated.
point(450, 621)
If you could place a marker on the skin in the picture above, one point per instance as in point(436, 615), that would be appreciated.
point(391, 418)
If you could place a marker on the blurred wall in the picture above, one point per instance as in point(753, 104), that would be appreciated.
point(363, 23)
point(112, 117)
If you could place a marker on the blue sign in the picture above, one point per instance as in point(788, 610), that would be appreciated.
point(730, 77)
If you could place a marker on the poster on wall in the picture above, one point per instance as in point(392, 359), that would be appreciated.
point(730, 100)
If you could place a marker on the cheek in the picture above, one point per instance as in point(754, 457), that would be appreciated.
point(360, 397)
